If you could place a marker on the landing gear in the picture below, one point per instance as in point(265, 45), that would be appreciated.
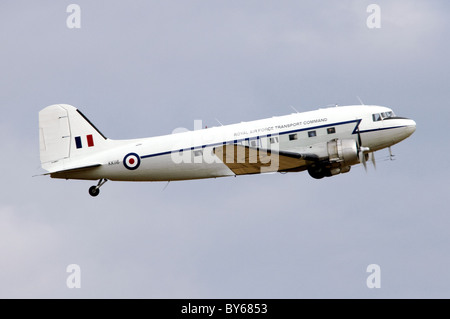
point(317, 172)
point(95, 190)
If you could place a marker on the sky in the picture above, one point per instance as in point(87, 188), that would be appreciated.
point(144, 68)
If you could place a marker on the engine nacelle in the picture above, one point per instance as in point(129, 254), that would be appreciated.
point(336, 157)
point(343, 151)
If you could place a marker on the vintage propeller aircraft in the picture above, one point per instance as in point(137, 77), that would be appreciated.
point(325, 142)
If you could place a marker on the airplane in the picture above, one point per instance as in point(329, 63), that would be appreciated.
point(325, 142)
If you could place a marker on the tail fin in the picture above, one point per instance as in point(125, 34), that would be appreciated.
point(66, 138)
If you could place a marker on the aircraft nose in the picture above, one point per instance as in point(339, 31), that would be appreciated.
point(410, 126)
point(406, 127)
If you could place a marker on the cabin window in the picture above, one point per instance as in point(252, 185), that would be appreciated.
point(273, 140)
point(253, 143)
point(293, 137)
point(198, 153)
point(331, 130)
point(312, 133)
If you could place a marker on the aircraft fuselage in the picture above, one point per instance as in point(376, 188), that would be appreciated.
point(193, 154)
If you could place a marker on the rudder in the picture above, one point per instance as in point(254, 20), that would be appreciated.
point(54, 134)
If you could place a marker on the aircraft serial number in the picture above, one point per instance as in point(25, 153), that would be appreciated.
point(114, 162)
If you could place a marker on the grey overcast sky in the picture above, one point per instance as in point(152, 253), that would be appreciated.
point(144, 68)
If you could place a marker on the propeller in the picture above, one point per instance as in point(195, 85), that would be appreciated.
point(362, 155)
point(372, 155)
point(363, 151)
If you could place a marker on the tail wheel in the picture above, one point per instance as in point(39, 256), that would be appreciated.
point(94, 191)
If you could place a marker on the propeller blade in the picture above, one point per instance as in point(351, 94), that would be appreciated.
point(359, 137)
point(373, 160)
point(362, 156)
point(362, 150)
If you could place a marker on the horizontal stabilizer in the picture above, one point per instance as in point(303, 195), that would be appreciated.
point(66, 172)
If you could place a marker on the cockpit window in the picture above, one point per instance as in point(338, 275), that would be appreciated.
point(376, 117)
point(386, 115)
point(382, 116)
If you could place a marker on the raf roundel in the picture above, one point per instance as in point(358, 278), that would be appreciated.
point(131, 161)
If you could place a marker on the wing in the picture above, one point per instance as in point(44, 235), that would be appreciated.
point(248, 160)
